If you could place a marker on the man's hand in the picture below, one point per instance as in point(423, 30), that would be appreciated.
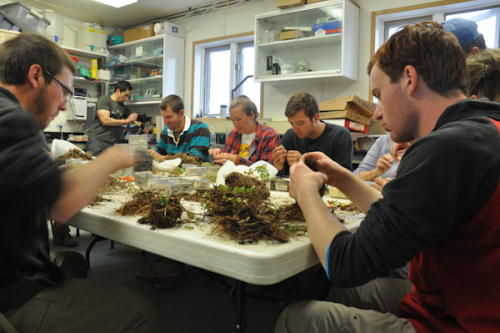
point(304, 181)
point(293, 156)
point(380, 183)
point(279, 157)
point(118, 157)
point(398, 150)
point(156, 155)
point(132, 118)
point(326, 165)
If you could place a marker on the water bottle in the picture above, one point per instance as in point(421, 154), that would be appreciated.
point(212, 136)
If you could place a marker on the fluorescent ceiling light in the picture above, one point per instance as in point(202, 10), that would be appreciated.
point(117, 3)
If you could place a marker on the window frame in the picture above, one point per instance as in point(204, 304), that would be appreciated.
point(198, 75)
point(437, 10)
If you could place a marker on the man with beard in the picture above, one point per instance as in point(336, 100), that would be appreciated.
point(440, 212)
point(42, 291)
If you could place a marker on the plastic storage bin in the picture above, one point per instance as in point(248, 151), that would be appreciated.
point(6, 24)
point(26, 18)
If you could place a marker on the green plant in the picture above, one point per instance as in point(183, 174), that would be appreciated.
point(263, 172)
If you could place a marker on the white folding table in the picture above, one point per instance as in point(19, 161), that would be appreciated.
point(263, 263)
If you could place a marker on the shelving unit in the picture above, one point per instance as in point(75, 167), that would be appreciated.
point(154, 67)
point(328, 56)
point(69, 121)
point(95, 88)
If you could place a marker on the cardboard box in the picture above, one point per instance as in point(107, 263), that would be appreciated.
point(291, 34)
point(349, 124)
point(289, 3)
point(350, 103)
point(345, 114)
point(327, 28)
point(140, 32)
point(314, 1)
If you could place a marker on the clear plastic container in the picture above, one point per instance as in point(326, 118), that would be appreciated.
point(25, 17)
point(281, 185)
point(194, 170)
point(202, 183)
point(186, 185)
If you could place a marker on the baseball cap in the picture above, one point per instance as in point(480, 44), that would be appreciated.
point(465, 30)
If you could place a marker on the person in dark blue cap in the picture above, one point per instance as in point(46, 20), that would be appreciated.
point(470, 39)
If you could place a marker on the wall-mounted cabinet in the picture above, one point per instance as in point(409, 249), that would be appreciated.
point(315, 41)
point(154, 66)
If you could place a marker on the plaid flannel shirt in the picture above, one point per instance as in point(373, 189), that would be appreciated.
point(266, 139)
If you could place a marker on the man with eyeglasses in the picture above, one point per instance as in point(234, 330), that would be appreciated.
point(110, 117)
point(40, 290)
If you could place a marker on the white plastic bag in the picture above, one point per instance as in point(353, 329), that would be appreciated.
point(167, 165)
point(60, 147)
point(229, 167)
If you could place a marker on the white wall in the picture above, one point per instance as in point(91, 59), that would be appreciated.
point(242, 19)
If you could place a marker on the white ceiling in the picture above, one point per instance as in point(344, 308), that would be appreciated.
point(142, 11)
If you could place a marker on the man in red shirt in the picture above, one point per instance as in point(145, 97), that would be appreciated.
point(440, 212)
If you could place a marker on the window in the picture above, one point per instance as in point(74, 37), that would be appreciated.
point(488, 23)
point(217, 79)
point(390, 27)
point(223, 69)
point(245, 78)
point(486, 13)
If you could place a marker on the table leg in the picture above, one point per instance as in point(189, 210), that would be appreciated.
point(240, 306)
point(283, 301)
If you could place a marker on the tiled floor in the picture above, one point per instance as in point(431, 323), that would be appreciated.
point(201, 304)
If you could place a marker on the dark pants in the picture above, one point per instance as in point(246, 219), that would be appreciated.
point(97, 146)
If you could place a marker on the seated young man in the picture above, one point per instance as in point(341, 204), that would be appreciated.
point(309, 134)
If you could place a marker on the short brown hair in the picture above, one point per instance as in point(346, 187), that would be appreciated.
point(484, 74)
point(302, 101)
point(247, 105)
point(479, 42)
point(174, 101)
point(17, 55)
point(435, 53)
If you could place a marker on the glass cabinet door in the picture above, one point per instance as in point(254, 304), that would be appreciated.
point(307, 41)
point(140, 63)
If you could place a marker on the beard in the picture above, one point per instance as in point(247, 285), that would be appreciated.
point(41, 108)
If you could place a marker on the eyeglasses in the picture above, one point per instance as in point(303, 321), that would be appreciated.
point(69, 94)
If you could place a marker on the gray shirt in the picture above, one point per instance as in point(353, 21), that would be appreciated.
point(117, 110)
point(381, 147)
